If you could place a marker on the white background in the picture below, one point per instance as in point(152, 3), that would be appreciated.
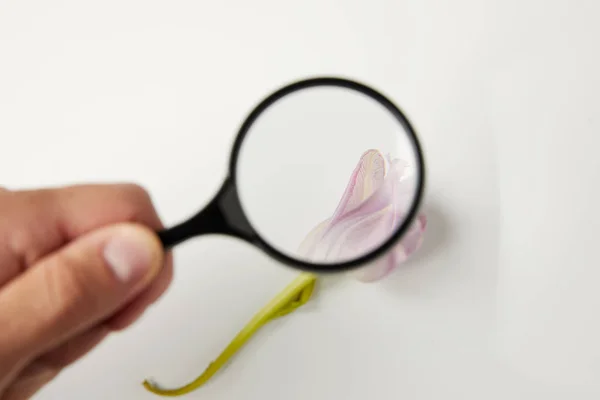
point(502, 301)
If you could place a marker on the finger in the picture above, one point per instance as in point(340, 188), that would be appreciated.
point(73, 204)
point(27, 385)
point(75, 288)
point(48, 366)
point(35, 223)
point(71, 351)
point(44, 369)
point(141, 210)
point(133, 311)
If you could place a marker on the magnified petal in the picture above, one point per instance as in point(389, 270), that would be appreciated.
point(364, 181)
point(312, 241)
point(356, 236)
point(372, 207)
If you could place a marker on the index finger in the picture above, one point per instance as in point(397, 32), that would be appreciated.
point(83, 208)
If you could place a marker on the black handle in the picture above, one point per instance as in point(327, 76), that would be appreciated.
point(223, 215)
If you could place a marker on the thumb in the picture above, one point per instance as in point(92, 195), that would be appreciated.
point(75, 288)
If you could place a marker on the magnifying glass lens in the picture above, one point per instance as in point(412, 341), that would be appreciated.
point(327, 175)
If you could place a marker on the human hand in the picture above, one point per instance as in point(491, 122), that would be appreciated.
point(76, 264)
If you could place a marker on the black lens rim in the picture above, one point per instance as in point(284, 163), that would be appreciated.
point(400, 117)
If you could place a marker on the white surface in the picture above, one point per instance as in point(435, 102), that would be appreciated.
point(299, 155)
point(502, 300)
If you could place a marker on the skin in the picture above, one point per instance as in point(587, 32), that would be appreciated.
point(58, 297)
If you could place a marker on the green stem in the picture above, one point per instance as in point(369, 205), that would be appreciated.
point(296, 294)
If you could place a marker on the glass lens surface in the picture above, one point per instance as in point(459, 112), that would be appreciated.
point(327, 175)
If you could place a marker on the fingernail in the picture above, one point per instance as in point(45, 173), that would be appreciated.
point(129, 256)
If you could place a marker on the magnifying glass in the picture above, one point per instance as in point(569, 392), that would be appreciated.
point(326, 175)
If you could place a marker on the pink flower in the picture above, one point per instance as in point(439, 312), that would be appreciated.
point(372, 206)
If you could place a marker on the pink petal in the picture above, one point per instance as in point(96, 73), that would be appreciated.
point(357, 236)
point(366, 179)
point(373, 205)
point(399, 254)
point(309, 245)
point(383, 198)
